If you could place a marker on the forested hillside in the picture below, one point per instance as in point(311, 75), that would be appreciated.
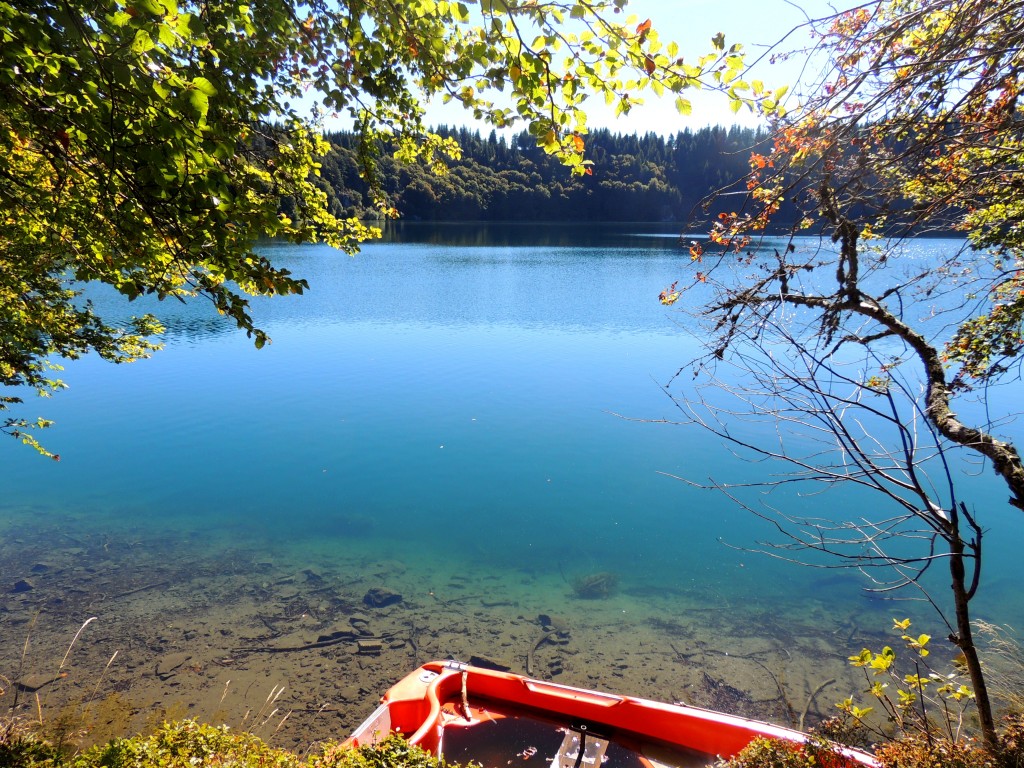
point(635, 178)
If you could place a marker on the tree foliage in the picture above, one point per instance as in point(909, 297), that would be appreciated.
point(915, 127)
point(148, 144)
point(635, 178)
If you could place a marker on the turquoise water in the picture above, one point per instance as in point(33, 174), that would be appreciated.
point(464, 401)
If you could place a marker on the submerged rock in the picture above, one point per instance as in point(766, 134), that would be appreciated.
point(360, 624)
point(328, 637)
point(553, 623)
point(369, 647)
point(168, 665)
point(595, 586)
point(32, 683)
point(378, 597)
point(486, 662)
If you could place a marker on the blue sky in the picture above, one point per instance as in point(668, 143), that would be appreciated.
point(757, 24)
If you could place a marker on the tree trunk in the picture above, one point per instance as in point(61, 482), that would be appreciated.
point(964, 640)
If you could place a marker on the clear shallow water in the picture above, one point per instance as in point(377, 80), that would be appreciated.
point(460, 400)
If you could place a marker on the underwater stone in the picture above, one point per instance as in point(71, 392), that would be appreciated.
point(369, 647)
point(378, 597)
point(486, 662)
point(167, 665)
point(553, 623)
point(22, 585)
point(32, 683)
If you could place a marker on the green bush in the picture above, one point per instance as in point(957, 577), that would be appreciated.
point(187, 744)
point(906, 750)
point(20, 748)
point(764, 752)
point(911, 750)
point(392, 752)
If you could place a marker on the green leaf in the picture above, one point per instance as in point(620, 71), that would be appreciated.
point(204, 86)
point(199, 101)
point(194, 24)
point(142, 42)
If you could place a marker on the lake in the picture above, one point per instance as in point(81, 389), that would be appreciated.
point(469, 417)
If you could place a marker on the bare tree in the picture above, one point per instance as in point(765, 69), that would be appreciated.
point(852, 343)
point(913, 127)
point(833, 419)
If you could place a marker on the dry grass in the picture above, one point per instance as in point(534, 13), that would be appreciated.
point(1004, 662)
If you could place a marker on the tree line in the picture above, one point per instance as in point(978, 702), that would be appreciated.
point(634, 177)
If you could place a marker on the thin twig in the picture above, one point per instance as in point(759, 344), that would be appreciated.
point(810, 700)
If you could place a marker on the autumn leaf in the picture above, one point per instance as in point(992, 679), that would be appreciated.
point(577, 142)
point(759, 161)
point(670, 295)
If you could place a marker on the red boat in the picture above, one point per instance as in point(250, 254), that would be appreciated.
point(499, 719)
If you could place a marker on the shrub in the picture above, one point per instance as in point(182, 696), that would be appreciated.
point(1011, 742)
point(392, 752)
point(764, 752)
point(188, 744)
point(912, 750)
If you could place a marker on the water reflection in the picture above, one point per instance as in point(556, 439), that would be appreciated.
point(529, 234)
